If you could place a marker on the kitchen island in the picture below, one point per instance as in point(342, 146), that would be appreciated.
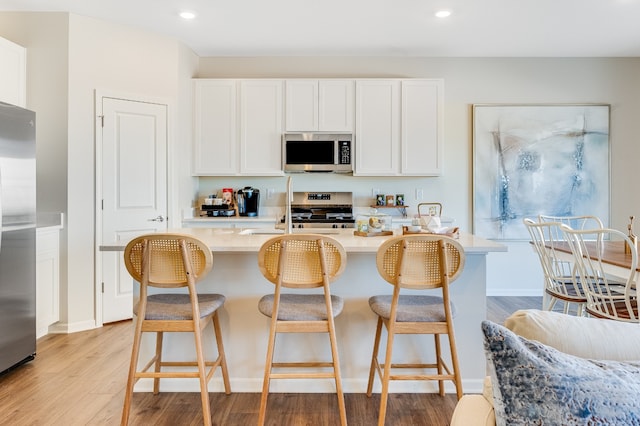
point(235, 274)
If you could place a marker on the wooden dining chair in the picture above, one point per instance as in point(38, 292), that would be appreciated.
point(612, 298)
point(173, 261)
point(416, 262)
point(303, 262)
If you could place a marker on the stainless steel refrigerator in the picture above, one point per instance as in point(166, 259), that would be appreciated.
point(17, 236)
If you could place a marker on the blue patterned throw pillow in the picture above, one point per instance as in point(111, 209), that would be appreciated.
point(534, 384)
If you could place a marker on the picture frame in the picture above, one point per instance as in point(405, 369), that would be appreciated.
point(536, 159)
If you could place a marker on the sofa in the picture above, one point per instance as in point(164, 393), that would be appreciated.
point(572, 339)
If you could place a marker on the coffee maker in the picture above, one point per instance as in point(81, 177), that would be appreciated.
point(248, 200)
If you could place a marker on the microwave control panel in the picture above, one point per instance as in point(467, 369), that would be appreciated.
point(344, 156)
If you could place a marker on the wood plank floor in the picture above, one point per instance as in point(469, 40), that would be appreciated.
point(79, 379)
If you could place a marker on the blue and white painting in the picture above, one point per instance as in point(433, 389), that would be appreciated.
point(534, 159)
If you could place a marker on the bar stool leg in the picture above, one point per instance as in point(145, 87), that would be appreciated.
point(376, 347)
point(384, 394)
point(135, 351)
point(267, 374)
point(336, 372)
point(223, 357)
point(156, 380)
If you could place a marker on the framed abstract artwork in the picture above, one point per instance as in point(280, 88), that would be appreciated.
point(538, 159)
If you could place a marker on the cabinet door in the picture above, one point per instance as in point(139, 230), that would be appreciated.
point(47, 280)
point(261, 127)
point(13, 73)
point(377, 132)
point(215, 148)
point(301, 105)
point(421, 128)
point(335, 108)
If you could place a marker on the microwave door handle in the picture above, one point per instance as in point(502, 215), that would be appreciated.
point(336, 151)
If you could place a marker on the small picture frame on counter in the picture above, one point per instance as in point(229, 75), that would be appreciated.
point(399, 199)
point(391, 200)
point(380, 200)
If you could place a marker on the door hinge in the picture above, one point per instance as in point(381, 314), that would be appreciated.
point(101, 204)
point(101, 117)
point(103, 287)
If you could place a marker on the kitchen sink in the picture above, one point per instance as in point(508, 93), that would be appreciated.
point(261, 231)
point(271, 231)
point(316, 231)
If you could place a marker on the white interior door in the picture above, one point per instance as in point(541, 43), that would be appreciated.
point(134, 190)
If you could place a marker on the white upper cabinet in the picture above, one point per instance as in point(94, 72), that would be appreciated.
point(215, 149)
point(261, 127)
point(319, 105)
point(237, 127)
point(13, 73)
point(421, 127)
point(377, 127)
point(399, 127)
point(397, 123)
point(301, 105)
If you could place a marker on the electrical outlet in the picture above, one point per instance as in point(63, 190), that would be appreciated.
point(374, 192)
point(419, 194)
point(270, 193)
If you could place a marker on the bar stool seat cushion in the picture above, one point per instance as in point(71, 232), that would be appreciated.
point(411, 308)
point(301, 307)
point(162, 307)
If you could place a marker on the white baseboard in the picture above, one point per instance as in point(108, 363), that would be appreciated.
point(66, 328)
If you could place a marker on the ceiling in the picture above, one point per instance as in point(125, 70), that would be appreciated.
point(476, 28)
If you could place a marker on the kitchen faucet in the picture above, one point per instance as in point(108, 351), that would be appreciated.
point(287, 214)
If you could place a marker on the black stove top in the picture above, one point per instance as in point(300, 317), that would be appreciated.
point(322, 210)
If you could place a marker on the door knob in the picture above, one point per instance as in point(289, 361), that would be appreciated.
point(157, 219)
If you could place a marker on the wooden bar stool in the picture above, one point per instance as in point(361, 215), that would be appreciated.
point(172, 261)
point(301, 261)
point(416, 262)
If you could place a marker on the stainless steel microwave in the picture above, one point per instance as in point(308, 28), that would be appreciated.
point(317, 152)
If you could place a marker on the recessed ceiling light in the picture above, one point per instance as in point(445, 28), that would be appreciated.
point(443, 13)
point(187, 15)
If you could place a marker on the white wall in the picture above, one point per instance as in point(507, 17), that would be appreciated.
point(45, 35)
point(469, 81)
point(116, 59)
point(69, 57)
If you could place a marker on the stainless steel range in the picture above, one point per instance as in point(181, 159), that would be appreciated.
point(322, 210)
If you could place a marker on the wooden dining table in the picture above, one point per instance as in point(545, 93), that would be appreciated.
point(614, 258)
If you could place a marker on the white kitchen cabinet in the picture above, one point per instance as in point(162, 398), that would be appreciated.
point(47, 279)
point(238, 124)
point(399, 127)
point(301, 105)
point(215, 148)
point(13, 73)
point(377, 127)
point(319, 105)
point(261, 127)
point(237, 127)
point(421, 128)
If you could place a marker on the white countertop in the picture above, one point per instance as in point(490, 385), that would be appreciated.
point(234, 240)
point(271, 219)
point(50, 220)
